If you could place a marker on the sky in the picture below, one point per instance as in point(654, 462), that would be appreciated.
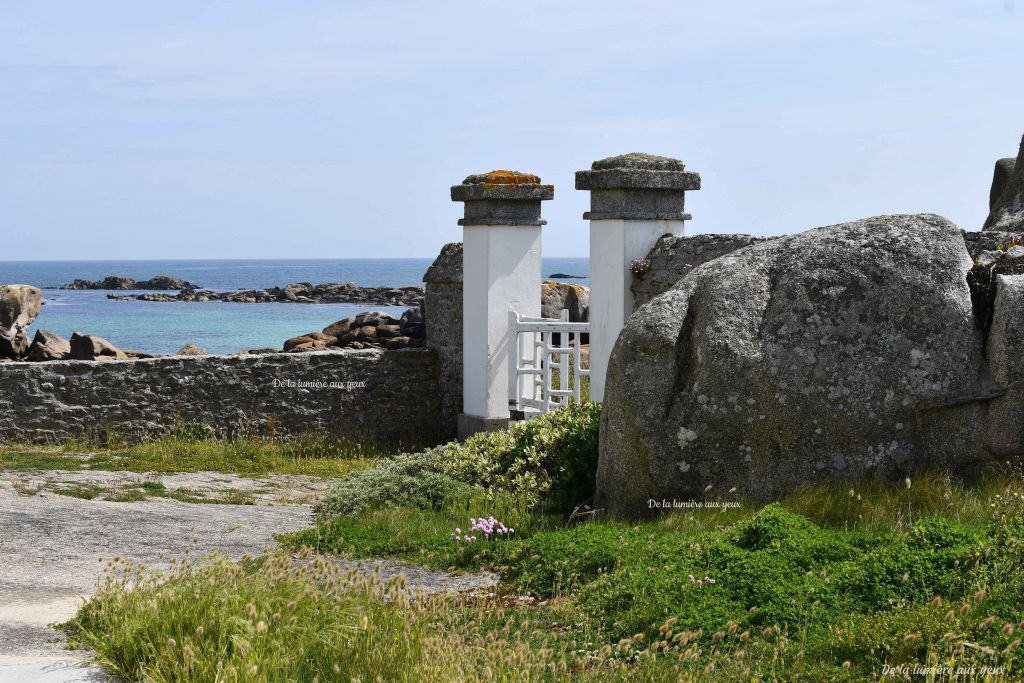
point(318, 129)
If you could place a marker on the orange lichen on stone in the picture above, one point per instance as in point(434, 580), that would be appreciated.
point(502, 177)
point(548, 286)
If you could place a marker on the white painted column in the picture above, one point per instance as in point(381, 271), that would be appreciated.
point(634, 200)
point(501, 272)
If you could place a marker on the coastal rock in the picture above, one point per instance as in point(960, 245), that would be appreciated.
point(165, 282)
point(845, 351)
point(339, 329)
point(310, 342)
point(388, 331)
point(120, 282)
point(366, 333)
point(369, 329)
point(1000, 179)
point(299, 292)
point(412, 324)
point(141, 354)
point(555, 296)
point(190, 349)
point(19, 306)
point(91, 347)
point(48, 346)
point(1007, 210)
point(991, 245)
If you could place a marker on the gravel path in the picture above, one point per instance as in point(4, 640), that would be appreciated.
point(53, 548)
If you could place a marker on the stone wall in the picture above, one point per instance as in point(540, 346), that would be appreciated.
point(442, 313)
point(370, 395)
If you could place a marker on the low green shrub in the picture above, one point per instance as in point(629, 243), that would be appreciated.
point(549, 463)
point(408, 480)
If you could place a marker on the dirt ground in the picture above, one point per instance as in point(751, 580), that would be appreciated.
point(54, 546)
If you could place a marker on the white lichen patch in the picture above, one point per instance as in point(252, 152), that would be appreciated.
point(683, 466)
point(686, 437)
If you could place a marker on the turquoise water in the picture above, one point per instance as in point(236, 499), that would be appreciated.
point(219, 327)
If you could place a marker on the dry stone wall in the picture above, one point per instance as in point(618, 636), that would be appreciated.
point(369, 395)
point(442, 315)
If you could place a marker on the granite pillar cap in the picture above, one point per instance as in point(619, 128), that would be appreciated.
point(502, 198)
point(637, 171)
point(637, 186)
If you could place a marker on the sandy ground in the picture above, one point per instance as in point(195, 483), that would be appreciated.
point(53, 548)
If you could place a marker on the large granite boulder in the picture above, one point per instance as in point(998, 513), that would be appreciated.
point(845, 351)
point(48, 346)
point(91, 347)
point(1007, 210)
point(674, 256)
point(190, 349)
point(19, 306)
point(1000, 179)
point(555, 296)
point(311, 341)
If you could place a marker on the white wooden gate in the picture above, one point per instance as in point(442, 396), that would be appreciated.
point(544, 374)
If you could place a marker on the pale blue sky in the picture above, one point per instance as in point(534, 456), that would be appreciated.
point(249, 128)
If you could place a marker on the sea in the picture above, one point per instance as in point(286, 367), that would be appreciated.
point(217, 326)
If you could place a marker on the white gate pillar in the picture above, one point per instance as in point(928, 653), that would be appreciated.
point(634, 200)
point(501, 272)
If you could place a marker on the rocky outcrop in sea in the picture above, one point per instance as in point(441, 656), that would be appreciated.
point(297, 292)
point(119, 282)
point(366, 330)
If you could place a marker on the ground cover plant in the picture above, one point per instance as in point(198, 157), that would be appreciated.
point(836, 582)
point(306, 619)
point(831, 584)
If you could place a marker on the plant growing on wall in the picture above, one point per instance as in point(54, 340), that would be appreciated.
point(639, 266)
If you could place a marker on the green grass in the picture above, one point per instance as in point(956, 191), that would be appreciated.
point(849, 580)
point(147, 490)
point(284, 620)
point(822, 596)
point(78, 491)
point(315, 456)
point(830, 584)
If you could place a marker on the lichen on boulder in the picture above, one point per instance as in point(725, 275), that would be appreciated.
point(845, 351)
